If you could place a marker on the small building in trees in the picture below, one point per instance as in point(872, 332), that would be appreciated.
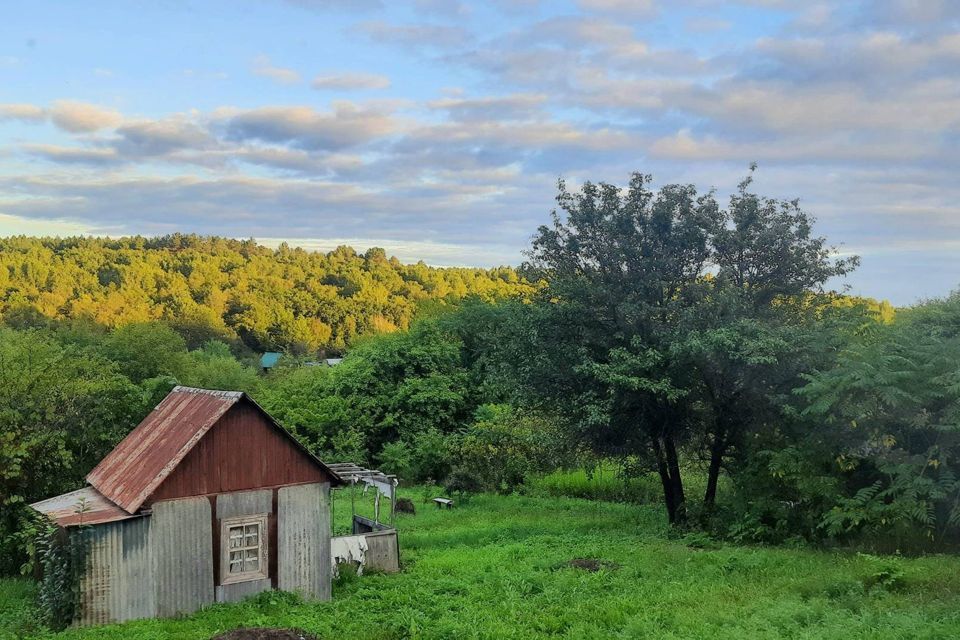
point(207, 500)
point(270, 359)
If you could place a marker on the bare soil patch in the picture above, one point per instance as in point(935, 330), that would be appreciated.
point(593, 564)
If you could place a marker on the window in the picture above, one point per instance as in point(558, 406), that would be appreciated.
point(243, 549)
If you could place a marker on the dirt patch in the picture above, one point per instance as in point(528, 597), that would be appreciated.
point(265, 634)
point(593, 564)
point(405, 505)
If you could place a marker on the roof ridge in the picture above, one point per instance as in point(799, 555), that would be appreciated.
point(211, 392)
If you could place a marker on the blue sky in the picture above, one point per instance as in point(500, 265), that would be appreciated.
point(438, 129)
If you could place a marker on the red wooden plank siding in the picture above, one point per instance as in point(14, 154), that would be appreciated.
point(243, 450)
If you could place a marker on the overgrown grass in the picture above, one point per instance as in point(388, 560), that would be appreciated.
point(498, 567)
point(603, 483)
point(606, 483)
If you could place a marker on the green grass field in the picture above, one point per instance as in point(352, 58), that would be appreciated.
point(498, 567)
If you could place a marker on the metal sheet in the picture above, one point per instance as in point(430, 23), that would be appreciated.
point(303, 544)
point(130, 473)
point(118, 583)
point(383, 552)
point(150, 452)
point(244, 503)
point(239, 590)
point(181, 541)
point(64, 509)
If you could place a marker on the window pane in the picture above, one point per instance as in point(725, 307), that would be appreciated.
point(236, 537)
point(236, 561)
point(252, 535)
point(253, 560)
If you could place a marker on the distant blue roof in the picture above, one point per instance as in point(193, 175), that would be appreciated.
point(270, 359)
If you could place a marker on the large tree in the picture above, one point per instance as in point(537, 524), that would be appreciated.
point(759, 327)
point(620, 268)
point(664, 319)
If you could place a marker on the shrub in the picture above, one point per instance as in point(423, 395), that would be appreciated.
point(505, 446)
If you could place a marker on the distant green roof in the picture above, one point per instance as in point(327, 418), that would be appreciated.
point(270, 359)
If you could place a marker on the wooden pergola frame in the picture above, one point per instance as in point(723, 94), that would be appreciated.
point(352, 473)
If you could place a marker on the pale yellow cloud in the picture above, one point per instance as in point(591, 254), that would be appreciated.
point(82, 117)
point(16, 226)
point(262, 66)
point(21, 111)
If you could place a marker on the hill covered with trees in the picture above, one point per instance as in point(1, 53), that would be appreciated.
point(697, 349)
point(217, 288)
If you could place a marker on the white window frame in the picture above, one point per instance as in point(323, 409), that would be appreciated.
point(262, 547)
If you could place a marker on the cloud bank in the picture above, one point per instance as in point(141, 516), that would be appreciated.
point(855, 107)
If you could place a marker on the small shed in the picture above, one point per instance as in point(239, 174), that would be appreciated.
point(207, 500)
point(270, 359)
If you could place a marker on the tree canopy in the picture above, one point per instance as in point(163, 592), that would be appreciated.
point(209, 288)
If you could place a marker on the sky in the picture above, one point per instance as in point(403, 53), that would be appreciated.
point(438, 129)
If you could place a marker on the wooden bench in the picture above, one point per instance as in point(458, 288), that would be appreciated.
point(443, 502)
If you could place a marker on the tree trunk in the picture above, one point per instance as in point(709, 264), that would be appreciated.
point(717, 449)
point(669, 469)
point(673, 463)
point(665, 481)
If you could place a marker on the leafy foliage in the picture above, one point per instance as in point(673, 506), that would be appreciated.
point(210, 288)
point(674, 324)
point(891, 408)
point(63, 555)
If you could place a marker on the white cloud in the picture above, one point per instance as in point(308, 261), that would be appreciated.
point(82, 117)
point(347, 125)
point(417, 36)
point(24, 112)
point(263, 67)
point(621, 8)
point(159, 137)
point(72, 155)
point(350, 82)
point(16, 226)
point(518, 106)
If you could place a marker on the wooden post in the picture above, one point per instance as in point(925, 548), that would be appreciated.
point(393, 501)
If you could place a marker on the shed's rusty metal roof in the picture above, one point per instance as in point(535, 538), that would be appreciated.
point(84, 506)
point(149, 453)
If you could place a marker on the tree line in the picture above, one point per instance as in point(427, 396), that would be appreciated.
point(211, 288)
point(706, 345)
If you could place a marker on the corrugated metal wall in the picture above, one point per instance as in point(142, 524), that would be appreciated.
point(163, 564)
point(181, 541)
point(243, 503)
point(118, 584)
point(303, 539)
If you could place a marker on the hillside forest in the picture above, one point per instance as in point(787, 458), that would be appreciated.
point(703, 353)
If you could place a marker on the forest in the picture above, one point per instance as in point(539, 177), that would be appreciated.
point(702, 357)
point(234, 291)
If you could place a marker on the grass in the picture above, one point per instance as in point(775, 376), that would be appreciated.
point(602, 483)
point(605, 482)
point(499, 567)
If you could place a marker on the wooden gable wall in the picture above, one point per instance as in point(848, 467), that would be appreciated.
point(243, 450)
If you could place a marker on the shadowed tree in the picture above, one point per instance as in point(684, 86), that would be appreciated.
point(621, 268)
point(666, 321)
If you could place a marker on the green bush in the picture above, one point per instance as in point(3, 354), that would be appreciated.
point(505, 446)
